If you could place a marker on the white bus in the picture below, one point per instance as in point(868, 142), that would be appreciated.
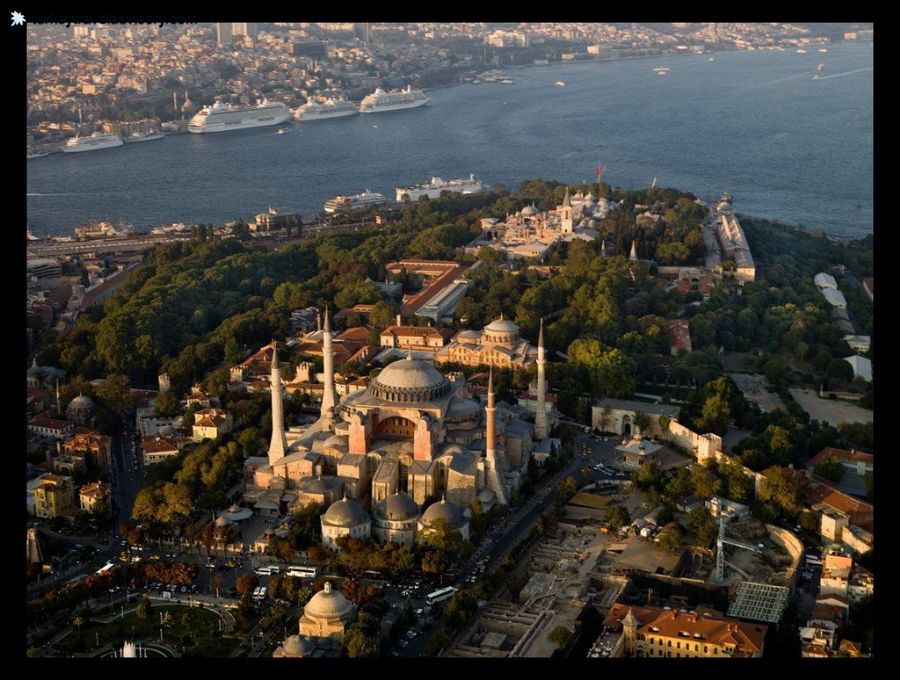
point(303, 572)
point(106, 567)
point(440, 595)
point(267, 571)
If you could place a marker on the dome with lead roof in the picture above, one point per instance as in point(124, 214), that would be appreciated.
point(329, 605)
point(409, 380)
point(447, 511)
point(346, 513)
point(397, 507)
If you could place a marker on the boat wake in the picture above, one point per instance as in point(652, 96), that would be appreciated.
point(846, 73)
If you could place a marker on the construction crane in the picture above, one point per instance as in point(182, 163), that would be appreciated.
point(721, 542)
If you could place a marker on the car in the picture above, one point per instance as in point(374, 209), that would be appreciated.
point(403, 643)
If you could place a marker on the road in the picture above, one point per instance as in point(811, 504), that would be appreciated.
point(126, 471)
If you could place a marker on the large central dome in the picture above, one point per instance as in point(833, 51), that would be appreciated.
point(410, 380)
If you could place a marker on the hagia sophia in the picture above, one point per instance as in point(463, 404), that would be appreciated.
point(411, 435)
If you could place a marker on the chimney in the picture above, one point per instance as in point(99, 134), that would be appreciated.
point(399, 322)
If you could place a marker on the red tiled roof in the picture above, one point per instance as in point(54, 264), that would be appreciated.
point(814, 490)
point(157, 444)
point(840, 454)
point(747, 637)
point(412, 331)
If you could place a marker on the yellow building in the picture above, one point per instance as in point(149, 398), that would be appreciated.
point(54, 497)
point(656, 632)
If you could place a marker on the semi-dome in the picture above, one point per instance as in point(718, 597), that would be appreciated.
point(328, 604)
point(449, 512)
point(346, 513)
point(397, 507)
point(409, 380)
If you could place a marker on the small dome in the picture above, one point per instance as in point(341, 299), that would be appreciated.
point(81, 402)
point(223, 521)
point(328, 604)
point(298, 647)
point(318, 484)
point(529, 211)
point(346, 513)
point(336, 441)
point(449, 512)
point(35, 370)
point(397, 507)
point(234, 508)
point(502, 325)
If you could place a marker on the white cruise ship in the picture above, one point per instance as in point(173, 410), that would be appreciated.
point(394, 100)
point(98, 140)
point(224, 117)
point(327, 108)
point(362, 200)
point(433, 189)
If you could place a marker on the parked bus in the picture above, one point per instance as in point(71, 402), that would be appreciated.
point(440, 595)
point(260, 593)
point(106, 567)
point(267, 571)
point(303, 572)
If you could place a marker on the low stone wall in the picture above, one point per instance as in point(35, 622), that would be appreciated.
point(793, 546)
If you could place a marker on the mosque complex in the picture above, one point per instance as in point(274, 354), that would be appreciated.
point(411, 435)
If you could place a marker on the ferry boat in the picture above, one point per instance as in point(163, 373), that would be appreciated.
point(365, 199)
point(820, 67)
point(98, 140)
point(560, 83)
point(801, 51)
point(224, 117)
point(394, 100)
point(143, 137)
point(433, 189)
point(327, 108)
point(823, 49)
point(661, 70)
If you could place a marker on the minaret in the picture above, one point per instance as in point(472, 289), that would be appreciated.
point(540, 416)
point(58, 403)
point(490, 453)
point(329, 401)
point(278, 445)
point(633, 255)
point(603, 248)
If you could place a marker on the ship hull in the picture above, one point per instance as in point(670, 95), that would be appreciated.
point(93, 147)
point(239, 125)
point(394, 107)
point(322, 116)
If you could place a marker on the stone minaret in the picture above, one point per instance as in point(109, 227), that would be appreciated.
point(278, 445)
point(329, 400)
point(540, 416)
point(490, 452)
point(603, 248)
point(633, 255)
point(566, 223)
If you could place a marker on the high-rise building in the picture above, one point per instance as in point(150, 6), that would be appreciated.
point(223, 34)
point(244, 29)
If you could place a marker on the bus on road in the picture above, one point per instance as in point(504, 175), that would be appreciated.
point(303, 572)
point(440, 595)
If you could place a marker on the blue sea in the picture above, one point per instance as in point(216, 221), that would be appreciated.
point(756, 124)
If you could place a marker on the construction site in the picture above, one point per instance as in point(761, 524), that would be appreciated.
point(578, 565)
